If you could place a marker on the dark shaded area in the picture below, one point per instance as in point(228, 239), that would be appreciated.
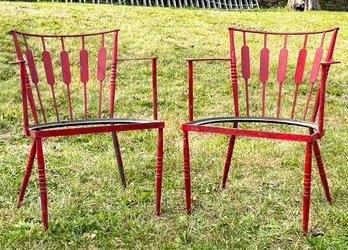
point(335, 5)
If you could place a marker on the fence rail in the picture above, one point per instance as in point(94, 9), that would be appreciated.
point(204, 4)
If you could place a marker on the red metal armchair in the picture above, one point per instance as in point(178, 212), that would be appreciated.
point(72, 104)
point(288, 101)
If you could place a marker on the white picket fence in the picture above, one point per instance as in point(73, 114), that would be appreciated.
point(204, 4)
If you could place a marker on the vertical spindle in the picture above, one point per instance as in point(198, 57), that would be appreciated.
point(47, 61)
point(34, 75)
point(101, 71)
point(314, 74)
point(301, 62)
point(281, 74)
point(264, 71)
point(64, 58)
point(245, 51)
point(84, 74)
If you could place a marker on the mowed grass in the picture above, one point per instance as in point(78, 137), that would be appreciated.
point(88, 207)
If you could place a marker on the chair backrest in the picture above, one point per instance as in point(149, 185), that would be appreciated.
point(274, 74)
point(63, 76)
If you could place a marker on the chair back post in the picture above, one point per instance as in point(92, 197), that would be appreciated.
point(234, 72)
point(154, 87)
point(190, 89)
point(24, 98)
point(25, 87)
point(324, 74)
point(113, 74)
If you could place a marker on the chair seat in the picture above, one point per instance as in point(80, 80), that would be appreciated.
point(89, 122)
point(299, 123)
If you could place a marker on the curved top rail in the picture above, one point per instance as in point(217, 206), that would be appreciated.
point(73, 35)
point(284, 33)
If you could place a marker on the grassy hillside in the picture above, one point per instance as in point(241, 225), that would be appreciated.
point(88, 208)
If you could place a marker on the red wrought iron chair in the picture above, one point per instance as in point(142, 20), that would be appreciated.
point(63, 95)
point(283, 100)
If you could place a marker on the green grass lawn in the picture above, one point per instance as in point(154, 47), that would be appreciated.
point(88, 208)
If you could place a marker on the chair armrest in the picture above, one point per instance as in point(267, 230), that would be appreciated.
point(136, 59)
point(330, 62)
point(207, 59)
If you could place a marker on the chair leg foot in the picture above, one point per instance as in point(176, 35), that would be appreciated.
point(322, 171)
point(228, 160)
point(27, 173)
point(159, 165)
point(119, 158)
point(307, 187)
point(187, 177)
point(42, 182)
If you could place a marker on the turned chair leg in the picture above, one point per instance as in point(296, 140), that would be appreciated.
point(187, 172)
point(42, 182)
point(307, 187)
point(27, 173)
point(321, 170)
point(159, 164)
point(119, 158)
point(228, 160)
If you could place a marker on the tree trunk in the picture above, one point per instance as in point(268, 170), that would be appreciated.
point(304, 4)
point(312, 5)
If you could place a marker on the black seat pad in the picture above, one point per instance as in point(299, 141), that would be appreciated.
point(253, 119)
point(107, 121)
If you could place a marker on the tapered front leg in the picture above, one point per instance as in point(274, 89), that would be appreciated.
point(42, 182)
point(118, 158)
point(321, 170)
point(228, 160)
point(27, 172)
point(159, 164)
point(307, 187)
point(187, 178)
